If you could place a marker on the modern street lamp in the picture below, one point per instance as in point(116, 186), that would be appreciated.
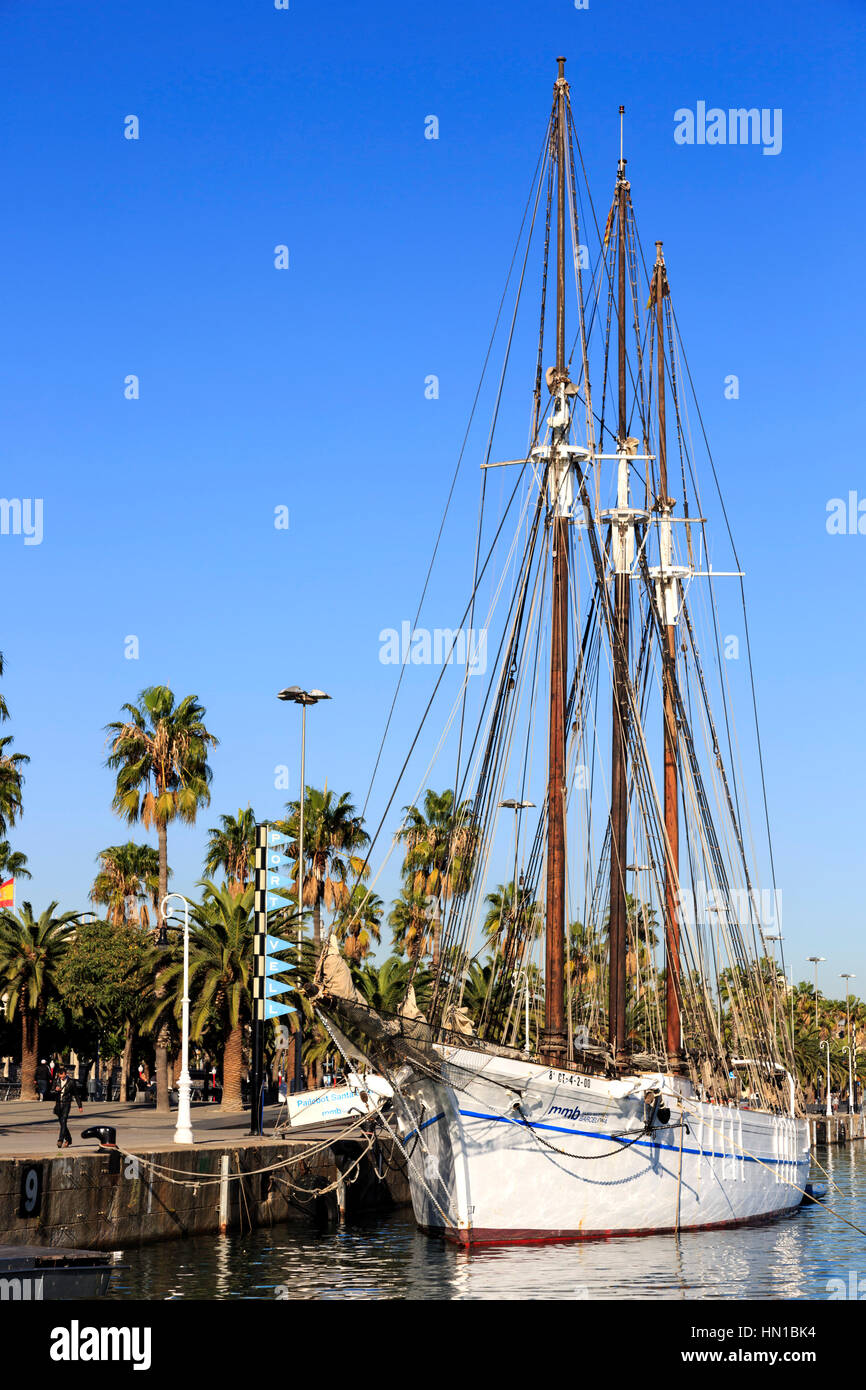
point(828, 1109)
point(511, 804)
point(774, 937)
point(518, 806)
point(850, 1081)
point(296, 696)
point(816, 961)
point(637, 870)
point(183, 1128)
point(846, 977)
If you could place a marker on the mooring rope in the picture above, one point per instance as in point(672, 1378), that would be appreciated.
point(214, 1180)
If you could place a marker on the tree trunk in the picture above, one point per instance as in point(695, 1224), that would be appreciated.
point(232, 1063)
point(163, 1102)
point(29, 1044)
point(126, 1059)
point(317, 923)
point(437, 929)
point(315, 1075)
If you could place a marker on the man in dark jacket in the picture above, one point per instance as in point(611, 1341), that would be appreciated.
point(66, 1092)
point(43, 1079)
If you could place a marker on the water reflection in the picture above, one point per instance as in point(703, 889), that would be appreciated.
point(386, 1257)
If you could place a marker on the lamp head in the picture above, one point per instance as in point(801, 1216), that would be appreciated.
point(302, 697)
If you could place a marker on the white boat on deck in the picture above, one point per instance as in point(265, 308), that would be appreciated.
point(359, 1096)
point(514, 1152)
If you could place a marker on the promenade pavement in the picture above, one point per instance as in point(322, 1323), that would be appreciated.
point(29, 1129)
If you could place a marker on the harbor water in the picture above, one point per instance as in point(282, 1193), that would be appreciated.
point(385, 1257)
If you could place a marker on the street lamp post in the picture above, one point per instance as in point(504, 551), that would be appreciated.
point(183, 1128)
point(816, 960)
point(828, 1109)
point(637, 870)
point(303, 698)
point(296, 696)
point(517, 807)
point(774, 937)
point(846, 977)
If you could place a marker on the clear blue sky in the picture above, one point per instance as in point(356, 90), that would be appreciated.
point(305, 387)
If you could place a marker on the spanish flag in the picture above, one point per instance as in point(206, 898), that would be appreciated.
point(7, 894)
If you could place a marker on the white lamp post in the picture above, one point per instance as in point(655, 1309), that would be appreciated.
point(828, 1109)
point(183, 1128)
point(846, 976)
point(816, 961)
point(773, 937)
point(297, 696)
point(850, 1081)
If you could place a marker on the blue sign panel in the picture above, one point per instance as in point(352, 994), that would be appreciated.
point(276, 943)
point(273, 880)
point(273, 903)
point(275, 1010)
point(274, 988)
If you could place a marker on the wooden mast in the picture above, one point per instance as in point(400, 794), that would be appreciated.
point(668, 596)
point(554, 1040)
point(618, 915)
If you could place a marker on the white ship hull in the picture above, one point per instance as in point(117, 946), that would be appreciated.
point(506, 1151)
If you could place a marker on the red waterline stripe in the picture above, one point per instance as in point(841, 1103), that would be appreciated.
point(482, 1235)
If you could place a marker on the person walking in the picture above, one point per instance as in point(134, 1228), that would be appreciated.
point(67, 1092)
point(43, 1079)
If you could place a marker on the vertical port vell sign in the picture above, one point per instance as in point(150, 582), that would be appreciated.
point(267, 990)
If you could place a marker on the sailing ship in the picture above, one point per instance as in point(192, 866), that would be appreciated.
point(652, 1097)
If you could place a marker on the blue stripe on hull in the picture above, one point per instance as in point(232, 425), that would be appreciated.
point(636, 1143)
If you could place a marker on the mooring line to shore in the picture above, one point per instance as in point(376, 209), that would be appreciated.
point(184, 1180)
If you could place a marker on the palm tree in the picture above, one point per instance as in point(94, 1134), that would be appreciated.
point(584, 955)
point(10, 773)
point(476, 988)
point(511, 914)
point(359, 922)
point(411, 922)
point(160, 756)
point(11, 782)
point(128, 878)
point(385, 986)
point(641, 935)
point(333, 833)
point(127, 874)
point(440, 850)
point(12, 862)
point(31, 950)
point(220, 971)
point(233, 849)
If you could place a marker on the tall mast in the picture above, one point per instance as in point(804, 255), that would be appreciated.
point(667, 596)
point(622, 545)
point(554, 1041)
